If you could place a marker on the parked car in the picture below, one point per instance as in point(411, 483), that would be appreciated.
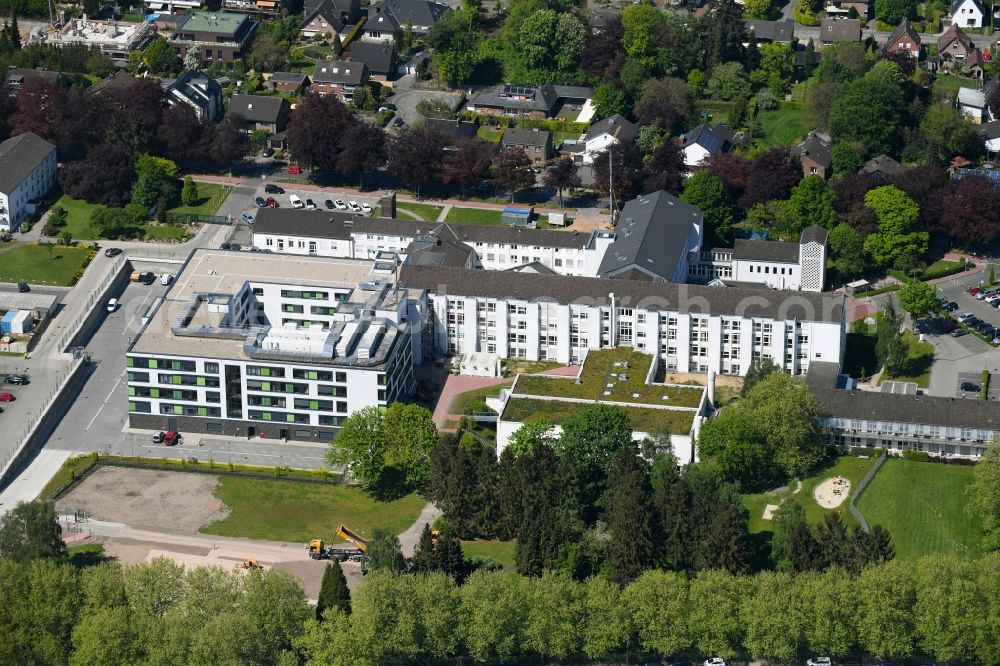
point(166, 279)
point(16, 380)
point(970, 387)
point(171, 437)
point(366, 208)
point(329, 204)
point(296, 201)
point(965, 316)
point(113, 252)
point(261, 202)
point(715, 661)
point(981, 295)
point(310, 204)
point(339, 205)
point(950, 306)
point(271, 202)
point(158, 437)
point(271, 188)
point(229, 246)
point(388, 106)
point(295, 170)
point(974, 290)
point(23, 287)
point(959, 332)
point(147, 279)
point(992, 298)
point(267, 152)
point(6, 396)
point(112, 305)
point(247, 217)
point(819, 661)
point(353, 205)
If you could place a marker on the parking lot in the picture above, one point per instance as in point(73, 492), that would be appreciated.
point(975, 379)
point(958, 293)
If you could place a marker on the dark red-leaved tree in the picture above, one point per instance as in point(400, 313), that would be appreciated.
point(467, 162)
point(603, 55)
point(416, 156)
point(664, 170)
point(970, 212)
point(773, 174)
point(105, 177)
point(733, 170)
point(41, 108)
point(626, 168)
point(512, 170)
point(362, 150)
point(315, 130)
point(927, 186)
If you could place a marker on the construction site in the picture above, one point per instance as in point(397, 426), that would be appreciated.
point(114, 39)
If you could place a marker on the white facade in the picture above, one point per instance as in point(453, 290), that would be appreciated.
point(682, 445)
point(695, 154)
point(20, 183)
point(597, 145)
point(967, 14)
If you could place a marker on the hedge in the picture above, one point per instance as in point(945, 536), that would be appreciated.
point(876, 292)
point(984, 386)
point(917, 456)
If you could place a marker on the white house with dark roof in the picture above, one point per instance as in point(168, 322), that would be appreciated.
point(776, 264)
point(340, 78)
point(335, 17)
point(392, 15)
point(702, 141)
point(967, 13)
point(27, 173)
point(603, 134)
point(197, 90)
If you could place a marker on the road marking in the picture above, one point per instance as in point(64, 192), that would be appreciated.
point(105, 402)
point(128, 326)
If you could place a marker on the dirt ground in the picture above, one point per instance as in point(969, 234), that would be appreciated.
point(147, 499)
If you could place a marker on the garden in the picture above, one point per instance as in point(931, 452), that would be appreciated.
point(44, 264)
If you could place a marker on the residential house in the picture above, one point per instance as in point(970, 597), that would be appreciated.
point(536, 143)
point(904, 40)
point(884, 167)
point(394, 15)
point(455, 130)
point(545, 101)
point(606, 133)
point(118, 82)
point(264, 113)
point(175, 7)
point(413, 65)
point(972, 102)
point(340, 78)
point(954, 46)
point(260, 8)
point(702, 141)
point(217, 36)
point(27, 173)
point(289, 82)
point(330, 17)
point(17, 76)
point(771, 31)
point(975, 63)
point(842, 8)
point(379, 57)
point(990, 132)
point(197, 90)
point(816, 154)
point(967, 13)
point(833, 30)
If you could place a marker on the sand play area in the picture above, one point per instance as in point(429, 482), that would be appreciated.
point(832, 492)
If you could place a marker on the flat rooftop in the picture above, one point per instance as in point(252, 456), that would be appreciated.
point(221, 272)
point(225, 23)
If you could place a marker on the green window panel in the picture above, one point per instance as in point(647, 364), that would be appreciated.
point(203, 411)
point(201, 381)
point(178, 409)
point(313, 404)
point(290, 418)
point(267, 416)
point(312, 374)
point(152, 362)
point(131, 406)
point(176, 379)
point(154, 393)
point(131, 390)
point(265, 386)
point(130, 362)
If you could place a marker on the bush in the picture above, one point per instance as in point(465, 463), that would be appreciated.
point(917, 456)
point(984, 385)
point(803, 16)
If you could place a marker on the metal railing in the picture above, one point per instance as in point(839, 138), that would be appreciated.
point(861, 488)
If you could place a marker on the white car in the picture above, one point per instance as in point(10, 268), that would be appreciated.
point(112, 305)
point(819, 661)
point(339, 205)
point(965, 316)
point(296, 201)
point(247, 217)
point(366, 208)
point(981, 295)
point(992, 297)
point(715, 661)
point(353, 205)
point(166, 278)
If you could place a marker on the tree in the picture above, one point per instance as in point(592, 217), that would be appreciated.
point(771, 175)
point(894, 11)
point(31, 531)
point(707, 193)
point(945, 132)
point(192, 59)
point(667, 100)
point(656, 602)
point(590, 440)
point(867, 110)
point(729, 81)
point(608, 100)
point(316, 129)
point(362, 150)
point(605, 628)
point(898, 239)
point(417, 156)
point(812, 202)
point(333, 592)
point(777, 65)
point(623, 178)
point(789, 518)
point(360, 446)
point(984, 495)
point(161, 58)
point(189, 192)
point(885, 596)
point(725, 34)
point(562, 175)
point(384, 552)
point(468, 164)
point(42, 107)
point(847, 249)
point(846, 158)
point(512, 170)
point(970, 211)
point(760, 367)
point(627, 514)
point(664, 170)
point(757, 9)
point(918, 298)
point(889, 347)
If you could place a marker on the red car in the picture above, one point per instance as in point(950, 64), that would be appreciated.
point(295, 169)
point(6, 396)
point(171, 437)
point(974, 291)
point(271, 203)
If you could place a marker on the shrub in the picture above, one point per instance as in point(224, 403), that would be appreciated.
point(917, 456)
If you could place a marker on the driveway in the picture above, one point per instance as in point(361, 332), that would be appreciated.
point(406, 102)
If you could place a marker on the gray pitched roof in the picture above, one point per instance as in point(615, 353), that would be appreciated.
point(818, 147)
point(393, 14)
point(257, 108)
point(884, 165)
point(901, 408)
point(523, 136)
point(617, 125)
point(956, 5)
point(839, 30)
point(439, 252)
point(651, 235)
point(19, 155)
point(904, 28)
point(117, 80)
point(341, 72)
point(289, 77)
point(527, 98)
point(652, 295)
point(952, 34)
point(455, 129)
point(713, 138)
point(765, 250)
point(329, 11)
point(331, 224)
point(988, 131)
point(775, 31)
point(380, 58)
point(17, 75)
point(813, 233)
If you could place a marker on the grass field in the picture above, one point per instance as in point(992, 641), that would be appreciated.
point(948, 84)
point(291, 511)
point(86, 554)
point(473, 216)
point(463, 400)
point(919, 359)
point(501, 551)
point(423, 211)
point(78, 217)
point(164, 232)
point(850, 467)
point(38, 264)
point(210, 197)
point(923, 507)
point(487, 133)
point(784, 126)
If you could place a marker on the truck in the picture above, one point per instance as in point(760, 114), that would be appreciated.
point(347, 534)
point(319, 551)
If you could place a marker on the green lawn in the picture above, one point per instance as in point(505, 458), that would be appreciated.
point(919, 359)
point(850, 467)
point(473, 216)
point(78, 217)
point(210, 197)
point(294, 511)
point(923, 507)
point(86, 554)
point(486, 133)
point(38, 264)
point(164, 232)
point(948, 84)
point(461, 401)
point(423, 211)
point(501, 551)
point(784, 126)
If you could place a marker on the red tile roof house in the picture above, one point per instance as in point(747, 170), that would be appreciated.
point(954, 46)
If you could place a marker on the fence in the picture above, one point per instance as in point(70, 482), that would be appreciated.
point(188, 218)
point(861, 488)
point(95, 298)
